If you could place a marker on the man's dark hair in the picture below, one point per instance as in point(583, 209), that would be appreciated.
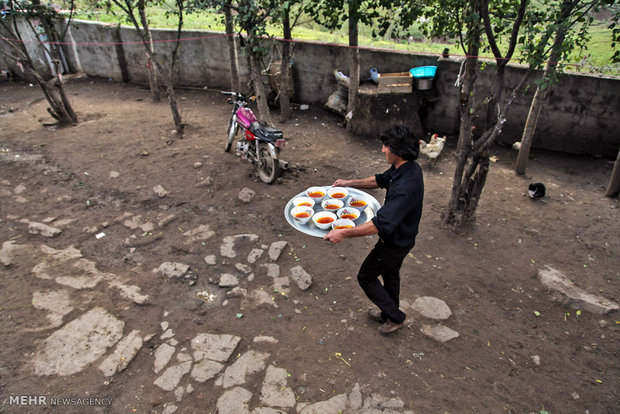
point(401, 141)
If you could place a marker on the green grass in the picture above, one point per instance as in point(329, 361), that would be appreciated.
point(599, 51)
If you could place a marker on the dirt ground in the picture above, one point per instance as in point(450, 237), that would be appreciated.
point(518, 351)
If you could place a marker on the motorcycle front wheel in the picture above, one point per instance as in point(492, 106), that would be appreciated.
point(268, 167)
point(230, 132)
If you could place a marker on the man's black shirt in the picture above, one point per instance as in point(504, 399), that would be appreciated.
point(399, 218)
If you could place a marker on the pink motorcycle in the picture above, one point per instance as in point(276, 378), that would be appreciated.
point(260, 144)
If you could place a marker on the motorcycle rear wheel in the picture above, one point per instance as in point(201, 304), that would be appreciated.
point(268, 167)
point(231, 131)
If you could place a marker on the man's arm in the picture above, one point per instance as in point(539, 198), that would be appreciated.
point(366, 229)
point(368, 182)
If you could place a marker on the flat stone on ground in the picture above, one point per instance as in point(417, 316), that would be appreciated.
point(432, 308)
point(78, 343)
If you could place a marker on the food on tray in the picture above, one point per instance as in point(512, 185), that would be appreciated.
point(337, 192)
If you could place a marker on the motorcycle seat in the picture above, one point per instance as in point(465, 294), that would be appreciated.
point(265, 132)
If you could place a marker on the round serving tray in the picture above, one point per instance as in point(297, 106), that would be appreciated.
point(309, 228)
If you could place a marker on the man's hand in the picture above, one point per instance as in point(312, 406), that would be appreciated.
point(335, 236)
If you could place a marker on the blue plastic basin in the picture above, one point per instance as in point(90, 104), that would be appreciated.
point(423, 71)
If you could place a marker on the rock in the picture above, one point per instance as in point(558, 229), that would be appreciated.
point(247, 364)
point(211, 259)
point(169, 333)
point(254, 255)
point(440, 333)
point(243, 268)
point(42, 229)
point(281, 284)
point(564, 291)
point(260, 297)
point(355, 398)
point(301, 277)
point(276, 248)
point(160, 191)
point(246, 195)
point(234, 401)
point(228, 280)
point(275, 392)
point(536, 359)
point(163, 354)
point(172, 376)
point(200, 233)
point(58, 303)
point(432, 308)
point(214, 347)
point(273, 270)
point(114, 174)
point(265, 339)
point(125, 351)
point(336, 404)
point(173, 269)
point(205, 370)
point(78, 343)
point(227, 247)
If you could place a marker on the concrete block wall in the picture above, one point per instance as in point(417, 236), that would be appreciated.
point(580, 115)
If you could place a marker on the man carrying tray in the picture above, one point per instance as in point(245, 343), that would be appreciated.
point(396, 223)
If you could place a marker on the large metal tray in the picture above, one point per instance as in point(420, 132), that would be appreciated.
point(310, 229)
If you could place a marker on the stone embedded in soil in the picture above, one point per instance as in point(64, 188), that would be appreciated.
point(227, 249)
point(228, 280)
point(336, 404)
point(440, 333)
point(43, 229)
point(247, 364)
point(254, 255)
point(200, 233)
point(211, 259)
point(173, 269)
point(125, 351)
point(246, 195)
point(276, 248)
point(205, 370)
point(301, 277)
point(275, 392)
point(214, 347)
point(234, 401)
point(432, 308)
point(79, 343)
point(160, 191)
point(58, 303)
point(163, 354)
point(172, 376)
point(564, 291)
point(273, 270)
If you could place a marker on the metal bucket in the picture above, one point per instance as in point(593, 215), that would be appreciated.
point(422, 84)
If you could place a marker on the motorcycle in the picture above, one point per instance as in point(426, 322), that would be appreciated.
point(259, 143)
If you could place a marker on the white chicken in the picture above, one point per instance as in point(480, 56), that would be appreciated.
point(433, 148)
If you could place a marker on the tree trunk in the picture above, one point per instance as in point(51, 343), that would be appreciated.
point(354, 60)
point(528, 130)
point(232, 49)
point(151, 66)
point(453, 216)
point(542, 90)
point(285, 109)
point(259, 88)
point(613, 189)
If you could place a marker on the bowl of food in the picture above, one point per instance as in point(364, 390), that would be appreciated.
point(343, 224)
point(303, 201)
point(324, 219)
point(357, 202)
point(302, 214)
point(332, 204)
point(338, 192)
point(316, 193)
point(348, 213)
